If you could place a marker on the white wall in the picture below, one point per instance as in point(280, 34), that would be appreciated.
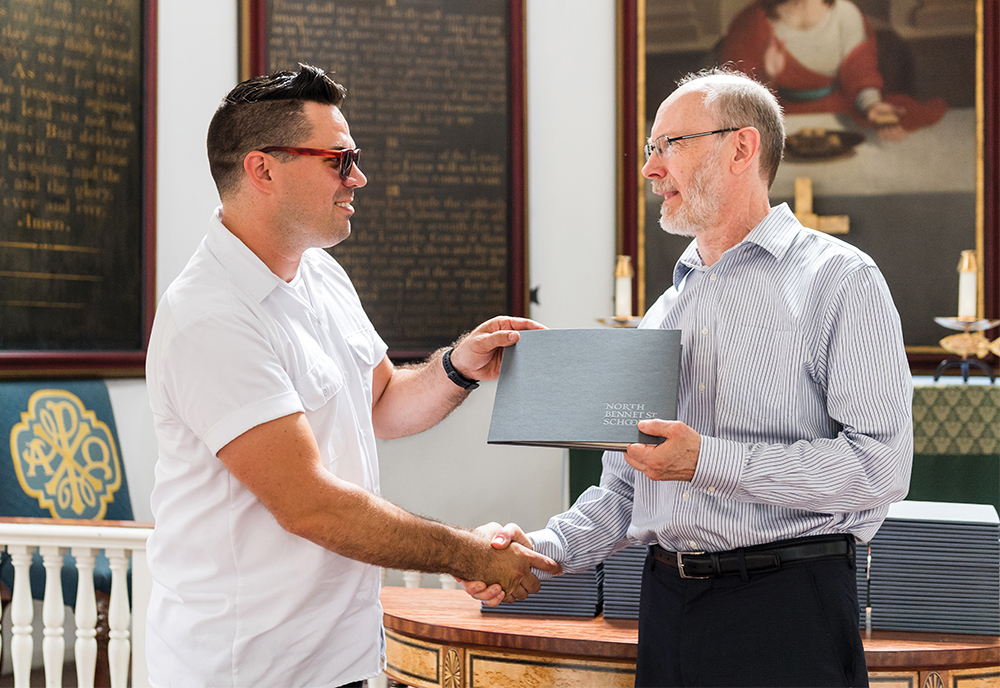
point(197, 65)
point(449, 472)
point(571, 159)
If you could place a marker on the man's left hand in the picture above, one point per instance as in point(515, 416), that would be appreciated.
point(477, 355)
point(675, 459)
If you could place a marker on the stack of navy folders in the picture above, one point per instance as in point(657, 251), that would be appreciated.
point(935, 567)
point(623, 581)
point(571, 594)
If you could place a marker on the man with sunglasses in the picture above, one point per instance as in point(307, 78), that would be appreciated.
point(268, 386)
point(794, 430)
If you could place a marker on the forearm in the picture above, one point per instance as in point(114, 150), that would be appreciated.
point(357, 524)
point(416, 398)
point(847, 473)
point(596, 525)
point(280, 464)
point(410, 400)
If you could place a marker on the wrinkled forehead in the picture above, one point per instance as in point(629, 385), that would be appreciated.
point(683, 112)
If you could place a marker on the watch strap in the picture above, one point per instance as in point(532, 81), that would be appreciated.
point(455, 376)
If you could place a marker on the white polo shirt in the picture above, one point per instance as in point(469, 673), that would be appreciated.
point(237, 600)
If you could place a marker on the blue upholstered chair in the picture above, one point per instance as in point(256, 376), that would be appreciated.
point(59, 458)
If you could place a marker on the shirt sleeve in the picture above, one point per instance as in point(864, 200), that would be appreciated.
point(859, 355)
point(221, 377)
point(596, 526)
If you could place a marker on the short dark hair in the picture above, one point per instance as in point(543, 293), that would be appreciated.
point(265, 111)
point(741, 101)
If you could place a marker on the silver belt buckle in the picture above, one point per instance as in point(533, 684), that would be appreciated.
point(680, 566)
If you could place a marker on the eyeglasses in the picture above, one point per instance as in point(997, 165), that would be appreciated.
point(657, 145)
point(348, 156)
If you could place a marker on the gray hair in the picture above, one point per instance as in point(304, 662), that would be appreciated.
point(736, 100)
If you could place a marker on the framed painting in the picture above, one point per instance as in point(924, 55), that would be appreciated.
point(917, 186)
point(77, 238)
point(436, 103)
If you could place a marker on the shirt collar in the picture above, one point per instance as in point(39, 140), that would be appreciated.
point(244, 268)
point(775, 233)
point(772, 234)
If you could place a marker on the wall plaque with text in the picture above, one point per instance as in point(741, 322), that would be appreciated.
point(75, 220)
point(435, 102)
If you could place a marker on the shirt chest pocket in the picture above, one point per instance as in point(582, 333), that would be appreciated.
point(320, 384)
point(761, 375)
point(362, 346)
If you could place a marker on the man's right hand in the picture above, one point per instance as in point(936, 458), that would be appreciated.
point(500, 539)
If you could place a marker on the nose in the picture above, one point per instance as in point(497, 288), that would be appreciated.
point(654, 168)
point(356, 179)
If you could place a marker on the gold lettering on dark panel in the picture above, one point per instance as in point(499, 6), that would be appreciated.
point(427, 104)
point(71, 181)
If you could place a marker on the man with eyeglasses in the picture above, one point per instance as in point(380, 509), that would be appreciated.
point(268, 386)
point(794, 431)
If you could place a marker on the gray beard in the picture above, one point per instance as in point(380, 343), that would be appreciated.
point(702, 204)
point(679, 223)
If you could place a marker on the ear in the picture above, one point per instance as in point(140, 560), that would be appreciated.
point(259, 168)
point(747, 149)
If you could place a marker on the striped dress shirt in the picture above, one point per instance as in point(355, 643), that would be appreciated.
point(793, 372)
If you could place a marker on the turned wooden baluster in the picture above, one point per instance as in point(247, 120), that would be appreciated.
point(86, 618)
point(21, 614)
point(53, 615)
point(118, 618)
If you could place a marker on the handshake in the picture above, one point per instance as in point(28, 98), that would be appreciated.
point(513, 558)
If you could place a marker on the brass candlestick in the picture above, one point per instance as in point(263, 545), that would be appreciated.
point(971, 341)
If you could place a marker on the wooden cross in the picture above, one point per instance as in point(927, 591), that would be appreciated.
point(831, 224)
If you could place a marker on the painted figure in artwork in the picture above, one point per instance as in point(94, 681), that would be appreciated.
point(820, 56)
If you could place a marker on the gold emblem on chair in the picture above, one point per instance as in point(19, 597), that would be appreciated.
point(65, 457)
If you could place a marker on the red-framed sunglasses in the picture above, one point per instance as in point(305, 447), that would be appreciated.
point(348, 156)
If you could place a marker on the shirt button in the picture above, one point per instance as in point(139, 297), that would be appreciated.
point(713, 277)
point(704, 330)
point(711, 490)
point(686, 495)
point(701, 387)
point(692, 544)
point(326, 392)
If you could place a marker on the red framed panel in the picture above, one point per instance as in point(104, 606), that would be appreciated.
point(633, 128)
point(266, 48)
point(93, 157)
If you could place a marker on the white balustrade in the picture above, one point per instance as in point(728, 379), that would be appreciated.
point(21, 613)
point(53, 540)
point(53, 615)
point(86, 618)
point(415, 579)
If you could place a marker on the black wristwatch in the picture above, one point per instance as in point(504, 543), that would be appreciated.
point(455, 376)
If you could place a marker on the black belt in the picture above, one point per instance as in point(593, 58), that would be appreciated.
point(759, 558)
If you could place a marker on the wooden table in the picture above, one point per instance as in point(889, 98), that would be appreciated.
point(440, 638)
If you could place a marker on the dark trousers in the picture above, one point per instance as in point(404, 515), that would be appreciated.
point(797, 626)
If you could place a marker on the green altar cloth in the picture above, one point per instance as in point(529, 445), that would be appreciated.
point(956, 441)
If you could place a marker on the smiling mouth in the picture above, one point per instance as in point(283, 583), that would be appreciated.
point(343, 204)
point(662, 188)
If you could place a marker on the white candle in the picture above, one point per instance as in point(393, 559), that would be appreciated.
point(967, 286)
point(623, 287)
